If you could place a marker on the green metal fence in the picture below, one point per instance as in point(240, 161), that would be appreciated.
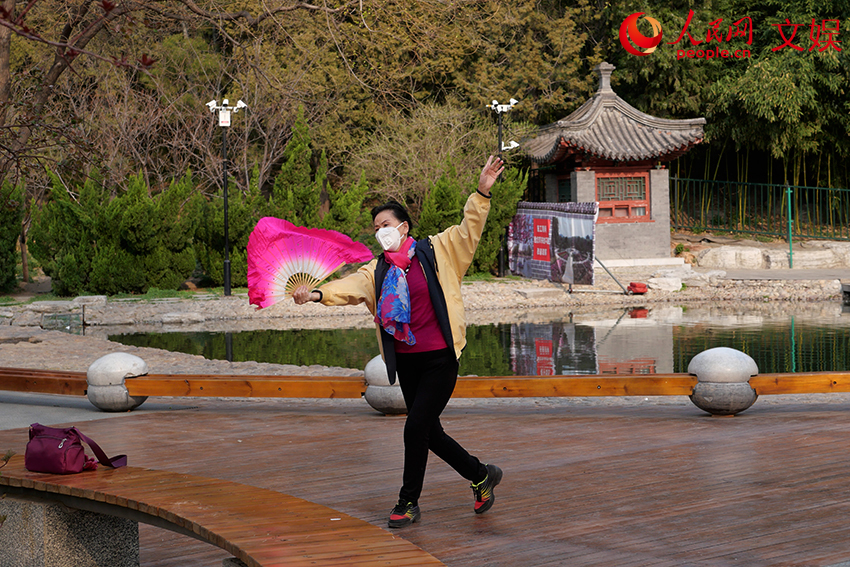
point(759, 209)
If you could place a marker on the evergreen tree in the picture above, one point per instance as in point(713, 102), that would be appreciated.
point(64, 233)
point(177, 212)
point(295, 194)
point(506, 194)
point(91, 243)
point(298, 189)
point(346, 213)
point(443, 205)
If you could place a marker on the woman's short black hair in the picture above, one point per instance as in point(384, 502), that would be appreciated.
point(398, 211)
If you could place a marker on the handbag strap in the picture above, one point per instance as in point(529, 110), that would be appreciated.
point(114, 462)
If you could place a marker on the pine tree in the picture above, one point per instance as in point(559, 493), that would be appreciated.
point(443, 205)
point(346, 212)
point(295, 194)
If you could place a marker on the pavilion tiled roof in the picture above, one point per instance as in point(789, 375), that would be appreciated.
point(609, 128)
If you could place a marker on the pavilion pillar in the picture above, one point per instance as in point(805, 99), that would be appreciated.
point(659, 208)
point(583, 184)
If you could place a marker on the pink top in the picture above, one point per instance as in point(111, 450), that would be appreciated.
point(423, 320)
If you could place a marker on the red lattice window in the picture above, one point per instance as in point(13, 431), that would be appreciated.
point(623, 196)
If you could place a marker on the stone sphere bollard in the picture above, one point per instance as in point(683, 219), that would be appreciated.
point(380, 394)
point(723, 387)
point(105, 377)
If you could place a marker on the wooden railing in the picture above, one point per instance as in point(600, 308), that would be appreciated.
point(247, 386)
point(43, 381)
point(673, 384)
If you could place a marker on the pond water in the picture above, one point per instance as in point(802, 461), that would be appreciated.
point(615, 341)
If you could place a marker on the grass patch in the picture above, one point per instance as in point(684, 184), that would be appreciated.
point(6, 300)
point(219, 291)
point(155, 293)
point(151, 294)
point(488, 277)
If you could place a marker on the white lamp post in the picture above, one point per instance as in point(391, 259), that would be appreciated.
point(224, 112)
point(501, 109)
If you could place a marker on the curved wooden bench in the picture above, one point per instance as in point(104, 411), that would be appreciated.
point(258, 526)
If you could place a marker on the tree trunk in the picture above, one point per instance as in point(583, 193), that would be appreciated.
point(5, 64)
point(25, 269)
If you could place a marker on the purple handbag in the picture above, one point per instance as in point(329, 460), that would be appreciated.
point(60, 451)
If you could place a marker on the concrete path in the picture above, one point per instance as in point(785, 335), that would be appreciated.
point(19, 409)
point(842, 274)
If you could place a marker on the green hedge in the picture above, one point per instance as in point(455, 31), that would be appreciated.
point(91, 242)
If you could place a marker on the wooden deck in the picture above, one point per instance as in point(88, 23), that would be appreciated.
point(587, 482)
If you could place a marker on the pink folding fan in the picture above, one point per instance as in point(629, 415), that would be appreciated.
point(282, 256)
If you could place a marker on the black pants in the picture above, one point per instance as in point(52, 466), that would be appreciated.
point(427, 381)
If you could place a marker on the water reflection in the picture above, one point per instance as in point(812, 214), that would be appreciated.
point(559, 348)
point(630, 344)
point(605, 341)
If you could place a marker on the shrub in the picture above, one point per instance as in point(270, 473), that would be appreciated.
point(443, 205)
point(64, 232)
point(98, 244)
point(11, 215)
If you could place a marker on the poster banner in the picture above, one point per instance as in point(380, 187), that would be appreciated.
point(553, 241)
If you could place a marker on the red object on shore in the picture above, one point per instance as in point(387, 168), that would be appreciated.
point(637, 288)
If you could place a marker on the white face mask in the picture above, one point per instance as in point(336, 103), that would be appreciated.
point(389, 237)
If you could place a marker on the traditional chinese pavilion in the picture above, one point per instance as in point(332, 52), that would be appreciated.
point(609, 152)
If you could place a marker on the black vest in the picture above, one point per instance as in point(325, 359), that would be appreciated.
point(425, 254)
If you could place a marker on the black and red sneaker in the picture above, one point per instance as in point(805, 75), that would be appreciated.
point(483, 491)
point(404, 514)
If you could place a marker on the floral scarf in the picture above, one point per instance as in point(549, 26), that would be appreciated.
point(394, 303)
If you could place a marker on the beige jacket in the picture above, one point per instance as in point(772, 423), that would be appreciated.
point(454, 249)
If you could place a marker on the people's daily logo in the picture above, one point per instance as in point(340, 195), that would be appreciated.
point(729, 39)
point(631, 38)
